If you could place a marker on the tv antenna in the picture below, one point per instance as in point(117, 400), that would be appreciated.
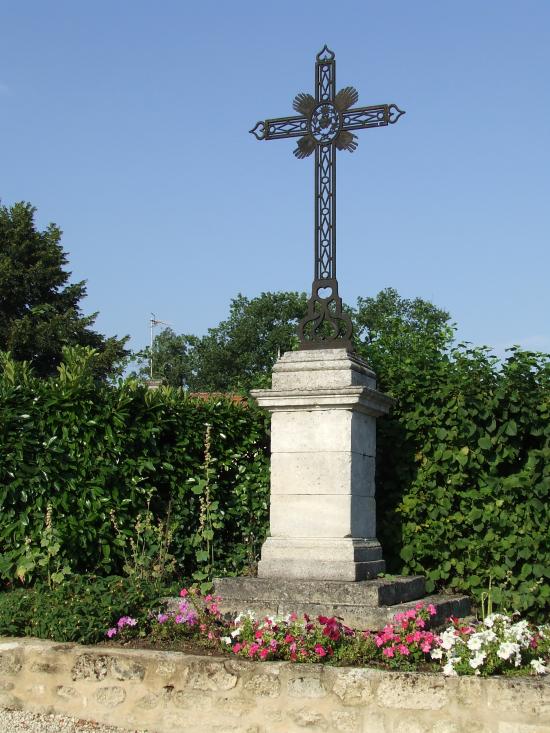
point(153, 322)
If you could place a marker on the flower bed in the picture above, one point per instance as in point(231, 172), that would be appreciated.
point(499, 644)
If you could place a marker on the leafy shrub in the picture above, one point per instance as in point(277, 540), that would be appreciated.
point(464, 474)
point(77, 610)
point(92, 455)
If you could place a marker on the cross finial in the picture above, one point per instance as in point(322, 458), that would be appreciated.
point(324, 124)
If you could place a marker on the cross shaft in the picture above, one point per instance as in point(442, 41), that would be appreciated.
point(324, 125)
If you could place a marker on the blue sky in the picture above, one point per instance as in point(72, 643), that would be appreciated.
point(126, 123)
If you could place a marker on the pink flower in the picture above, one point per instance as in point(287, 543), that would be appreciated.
point(431, 609)
point(388, 651)
point(273, 644)
point(111, 632)
point(184, 592)
point(426, 646)
point(264, 653)
point(404, 650)
point(419, 605)
point(420, 623)
point(294, 616)
point(289, 638)
point(253, 648)
point(379, 641)
point(237, 647)
point(202, 627)
point(162, 618)
point(207, 598)
point(292, 648)
point(320, 650)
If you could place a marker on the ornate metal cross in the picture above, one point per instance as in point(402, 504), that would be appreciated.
point(324, 125)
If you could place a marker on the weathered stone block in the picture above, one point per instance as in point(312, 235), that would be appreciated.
point(353, 686)
point(90, 666)
point(307, 718)
point(263, 685)
point(412, 691)
point(212, 676)
point(527, 696)
point(10, 702)
point(10, 662)
point(126, 669)
point(66, 692)
point(306, 684)
point(345, 721)
point(110, 697)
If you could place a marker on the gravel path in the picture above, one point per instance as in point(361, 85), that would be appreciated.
point(17, 721)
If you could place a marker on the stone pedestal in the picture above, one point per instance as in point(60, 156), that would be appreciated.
point(324, 406)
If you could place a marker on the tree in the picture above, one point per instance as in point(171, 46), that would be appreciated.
point(236, 355)
point(239, 353)
point(39, 309)
point(170, 358)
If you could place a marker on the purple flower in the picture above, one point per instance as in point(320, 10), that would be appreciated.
point(126, 621)
point(162, 618)
point(111, 632)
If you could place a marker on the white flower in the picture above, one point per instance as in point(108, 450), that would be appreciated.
point(226, 640)
point(448, 639)
point(538, 666)
point(436, 653)
point(506, 649)
point(477, 660)
point(448, 669)
point(235, 633)
point(475, 642)
point(490, 620)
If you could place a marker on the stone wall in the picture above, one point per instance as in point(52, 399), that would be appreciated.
point(168, 691)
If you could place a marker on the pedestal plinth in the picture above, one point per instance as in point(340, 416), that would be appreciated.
point(324, 406)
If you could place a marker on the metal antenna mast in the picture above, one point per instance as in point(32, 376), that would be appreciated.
point(154, 321)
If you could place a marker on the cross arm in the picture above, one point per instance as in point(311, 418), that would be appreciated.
point(377, 115)
point(280, 127)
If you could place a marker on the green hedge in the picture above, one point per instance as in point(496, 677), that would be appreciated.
point(463, 469)
point(95, 453)
point(464, 474)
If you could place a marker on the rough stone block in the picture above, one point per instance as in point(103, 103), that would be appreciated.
point(510, 696)
point(110, 697)
point(345, 721)
point(353, 686)
point(90, 666)
point(412, 691)
point(212, 676)
point(306, 684)
point(263, 685)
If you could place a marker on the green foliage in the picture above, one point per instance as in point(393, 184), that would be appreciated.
point(78, 610)
point(170, 357)
point(91, 452)
point(463, 460)
point(39, 309)
point(466, 458)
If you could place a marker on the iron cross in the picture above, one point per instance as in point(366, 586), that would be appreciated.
point(325, 124)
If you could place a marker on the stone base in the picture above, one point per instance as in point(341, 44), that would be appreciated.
point(365, 604)
point(345, 558)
